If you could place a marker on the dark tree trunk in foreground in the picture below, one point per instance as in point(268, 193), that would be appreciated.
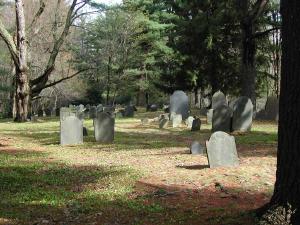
point(284, 207)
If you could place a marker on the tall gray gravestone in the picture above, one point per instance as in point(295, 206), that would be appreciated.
point(71, 130)
point(272, 108)
point(221, 120)
point(179, 104)
point(221, 150)
point(104, 127)
point(242, 115)
point(209, 116)
point(218, 99)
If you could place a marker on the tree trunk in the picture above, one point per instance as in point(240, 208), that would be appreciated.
point(248, 70)
point(22, 82)
point(284, 207)
point(108, 80)
point(22, 96)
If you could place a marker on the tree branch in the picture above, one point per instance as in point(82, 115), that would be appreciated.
point(37, 91)
point(263, 33)
point(9, 41)
point(41, 81)
point(257, 9)
point(38, 14)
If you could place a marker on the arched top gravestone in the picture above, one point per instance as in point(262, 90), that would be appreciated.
point(179, 104)
point(71, 130)
point(218, 99)
point(242, 115)
point(104, 127)
point(221, 150)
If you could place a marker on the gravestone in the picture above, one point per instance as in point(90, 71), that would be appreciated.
point(104, 127)
point(272, 108)
point(109, 109)
point(189, 121)
point(179, 104)
point(163, 123)
point(242, 115)
point(196, 148)
point(221, 120)
point(176, 120)
point(209, 116)
point(196, 124)
point(85, 132)
point(71, 130)
point(218, 99)
point(152, 108)
point(129, 111)
point(203, 111)
point(65, 112)
point(57, 111)
point(99, 108)
point(92, 112)
point(221, 150)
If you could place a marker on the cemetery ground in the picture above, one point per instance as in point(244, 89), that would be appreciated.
point(147, 176)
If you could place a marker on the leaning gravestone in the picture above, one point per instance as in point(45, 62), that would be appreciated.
point(242, 115)
point(218, 99)
point(176, 120)
point(221, 150)
point(221, 120)
point(179, 104)
point(196, 148)
point(196, 124)
point(163, 123)
point(71, 130)
point(104, 127)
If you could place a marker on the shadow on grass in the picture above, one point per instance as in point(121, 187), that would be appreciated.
point(194, 167)
point(206, 206)
point(32, 189)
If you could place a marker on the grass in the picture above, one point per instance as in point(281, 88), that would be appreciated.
point(145, 177)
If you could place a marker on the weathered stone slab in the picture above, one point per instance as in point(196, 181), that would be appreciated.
point(104, 127)
point(242, 115)
point(189, 121)
point(209, 116)
point(196, 124)
point(196, 148)
point(71, 130)
point(179, 104)
point(176, 120)
point(163, 123)
point(221, 120)
point(272, 108)
point(129, 111)
point(85, 132)
point(221, 150)
point(218, 99)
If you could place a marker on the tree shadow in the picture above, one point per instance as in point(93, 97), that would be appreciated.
point(193, 167)
point(32, 189)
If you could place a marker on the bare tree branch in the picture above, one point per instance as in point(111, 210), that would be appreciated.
point(34, 91)
point(38, 14)
point(263, 33)
point(9, 41)
point(41, 81)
